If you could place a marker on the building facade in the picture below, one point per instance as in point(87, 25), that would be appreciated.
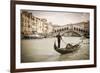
point(26, 23)
point(34, 25)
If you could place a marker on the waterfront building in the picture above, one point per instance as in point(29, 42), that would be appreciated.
point(49, 28)
point(25, 23)
point(31, 24)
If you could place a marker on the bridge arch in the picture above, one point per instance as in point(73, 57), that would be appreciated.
point(71, 33)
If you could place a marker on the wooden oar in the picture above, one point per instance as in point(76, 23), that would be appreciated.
point(64, 41)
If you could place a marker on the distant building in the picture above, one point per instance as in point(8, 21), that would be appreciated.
point(49, 27)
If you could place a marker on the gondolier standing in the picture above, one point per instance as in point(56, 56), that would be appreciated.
point(59, 39)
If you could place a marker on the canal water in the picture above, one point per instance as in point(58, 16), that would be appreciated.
point(41, 50)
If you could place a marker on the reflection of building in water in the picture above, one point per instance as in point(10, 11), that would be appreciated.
point(31, 24)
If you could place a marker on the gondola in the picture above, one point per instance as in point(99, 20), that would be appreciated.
point(68, 49)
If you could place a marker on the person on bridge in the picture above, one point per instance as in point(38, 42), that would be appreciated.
point(59, 39)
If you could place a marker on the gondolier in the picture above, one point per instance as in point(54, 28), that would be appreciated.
point(59, 39)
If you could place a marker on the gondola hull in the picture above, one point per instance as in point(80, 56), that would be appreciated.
point(66, 49)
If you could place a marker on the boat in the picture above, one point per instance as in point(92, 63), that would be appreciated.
point(69, 48)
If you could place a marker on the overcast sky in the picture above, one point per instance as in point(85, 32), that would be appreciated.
point(61, 18)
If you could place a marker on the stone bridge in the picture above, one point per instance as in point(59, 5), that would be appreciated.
point(70, 31)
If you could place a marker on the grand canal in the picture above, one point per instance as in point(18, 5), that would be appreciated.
point(42, 50)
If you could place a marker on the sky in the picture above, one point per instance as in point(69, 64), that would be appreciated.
point(61, 18)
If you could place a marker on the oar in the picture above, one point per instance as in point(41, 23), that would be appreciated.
point(63, 41)
point(80, 42)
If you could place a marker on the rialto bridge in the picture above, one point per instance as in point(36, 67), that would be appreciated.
point(71, 30)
